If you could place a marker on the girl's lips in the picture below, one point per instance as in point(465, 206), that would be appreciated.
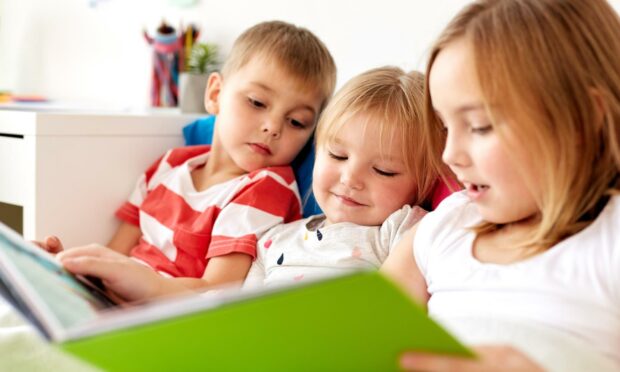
point(260, 148)
point(475, 192)
point(348, 201)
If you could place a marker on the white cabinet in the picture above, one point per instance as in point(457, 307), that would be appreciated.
point(70, 171)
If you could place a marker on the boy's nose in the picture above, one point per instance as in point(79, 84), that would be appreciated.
point(272, 128)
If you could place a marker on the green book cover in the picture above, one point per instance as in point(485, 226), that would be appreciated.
point(360, 321)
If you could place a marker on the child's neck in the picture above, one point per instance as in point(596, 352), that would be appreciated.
point(502, 246)
point(218, 169)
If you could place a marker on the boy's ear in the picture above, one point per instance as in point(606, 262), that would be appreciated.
point(212, 93)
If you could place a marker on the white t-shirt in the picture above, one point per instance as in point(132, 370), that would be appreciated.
point(304, 250)
point(573, 288)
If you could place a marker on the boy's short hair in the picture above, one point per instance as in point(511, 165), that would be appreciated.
point(296, 49)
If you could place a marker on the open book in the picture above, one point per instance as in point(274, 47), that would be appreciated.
point(359, 321)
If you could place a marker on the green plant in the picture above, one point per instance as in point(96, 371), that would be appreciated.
point(202, 58)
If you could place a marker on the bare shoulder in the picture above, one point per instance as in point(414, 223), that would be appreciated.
point(402, 268)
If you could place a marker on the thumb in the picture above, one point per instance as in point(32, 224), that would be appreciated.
point(98, 267)
point(53, 244)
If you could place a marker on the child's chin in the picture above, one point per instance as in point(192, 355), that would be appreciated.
point(250, 167)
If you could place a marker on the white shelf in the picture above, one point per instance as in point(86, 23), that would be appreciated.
point(71, 170)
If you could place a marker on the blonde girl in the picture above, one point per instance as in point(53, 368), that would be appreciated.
point(528, 255)
point(371, 173)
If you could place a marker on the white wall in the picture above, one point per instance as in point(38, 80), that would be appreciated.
point(70, 51)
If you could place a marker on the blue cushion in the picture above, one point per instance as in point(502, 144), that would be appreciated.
point(200, 132)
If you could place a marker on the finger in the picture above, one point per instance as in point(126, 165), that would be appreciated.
point(53, 244)
point(119, 275)
point(92, 250)
point(103, 268)
point(39, 244)
point(431, 362)
point(43, 245)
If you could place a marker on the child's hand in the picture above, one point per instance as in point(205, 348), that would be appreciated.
point(121, 275)
point(489, 358)
point(51, 244)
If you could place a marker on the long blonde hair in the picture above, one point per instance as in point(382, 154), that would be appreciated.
point(394, 100)
point(552, 69)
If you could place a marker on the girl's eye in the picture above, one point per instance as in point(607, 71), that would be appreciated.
point(256, 103)
point(337, 157)
point(482, 130)
point(385, 173)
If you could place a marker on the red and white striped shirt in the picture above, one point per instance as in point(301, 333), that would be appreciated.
point(183, 228)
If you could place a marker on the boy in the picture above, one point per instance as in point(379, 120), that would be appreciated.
point(196, 213)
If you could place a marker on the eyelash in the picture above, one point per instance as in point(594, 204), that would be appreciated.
point(337, 157)
point(256, 103)
point(481, 130)
point(475, 130)
point(377, 170)
point(260, 105)
point(297, 124)
point(384, 173)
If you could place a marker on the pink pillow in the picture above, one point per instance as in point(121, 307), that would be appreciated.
point(442, 191)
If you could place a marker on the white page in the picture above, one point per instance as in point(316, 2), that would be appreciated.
point(55, 297)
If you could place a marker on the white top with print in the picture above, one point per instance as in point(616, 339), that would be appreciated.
point(305, 250)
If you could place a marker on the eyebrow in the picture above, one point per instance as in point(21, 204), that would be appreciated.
point(472, 107)
point(270, 90)
point(261, 85)
point(464, 109)
point(384, 157)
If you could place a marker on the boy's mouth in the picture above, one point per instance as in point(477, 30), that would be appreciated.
point(260, 148)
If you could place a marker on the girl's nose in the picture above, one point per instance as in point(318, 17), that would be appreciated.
point(453, 154)
point(351, 177)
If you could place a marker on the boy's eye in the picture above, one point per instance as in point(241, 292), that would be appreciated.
point(337, 157)
point(297, 123)
point(385, 173)
point(256, 103)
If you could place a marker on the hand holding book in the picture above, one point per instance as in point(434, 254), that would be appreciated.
point(51, 244)
point(488, 358)
point(121, 275)
point(332, 319)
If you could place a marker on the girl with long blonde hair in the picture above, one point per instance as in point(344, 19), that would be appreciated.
point(528, 255)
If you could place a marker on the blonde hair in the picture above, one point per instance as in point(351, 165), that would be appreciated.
point(550, 71)
point(295, 49)
point(393, 99)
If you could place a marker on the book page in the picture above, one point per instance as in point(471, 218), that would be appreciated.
point(55, 297)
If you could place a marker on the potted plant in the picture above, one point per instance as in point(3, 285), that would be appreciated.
point(201, 61)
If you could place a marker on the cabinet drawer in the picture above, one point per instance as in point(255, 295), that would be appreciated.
point(14, 169)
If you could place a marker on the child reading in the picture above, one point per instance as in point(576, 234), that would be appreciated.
point(370, 170)
point(527, 258)
point(197, 212)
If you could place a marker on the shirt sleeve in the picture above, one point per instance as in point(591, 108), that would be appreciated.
point(397, 224)
point(433, 226)
point(261, 205)
point(614, 276)
point(129, 211)
point(256, 275)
